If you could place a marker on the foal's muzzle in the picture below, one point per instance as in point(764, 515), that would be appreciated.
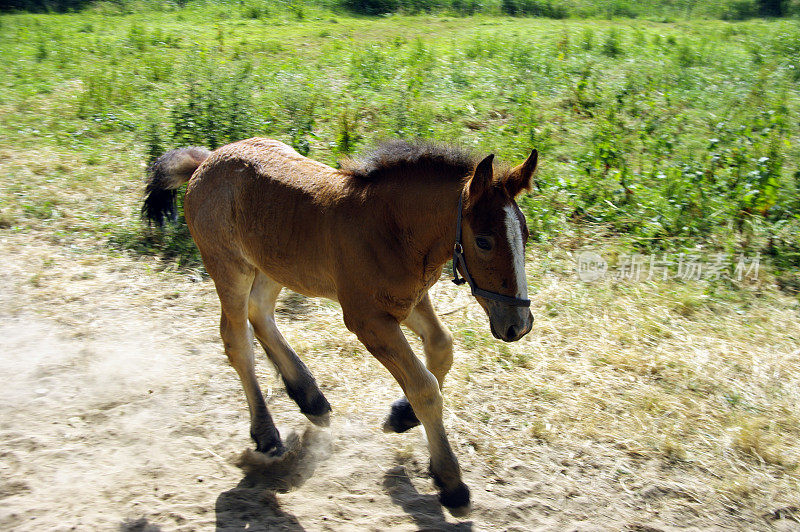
point(509, 323)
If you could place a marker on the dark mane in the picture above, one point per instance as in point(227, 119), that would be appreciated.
point(424, 157)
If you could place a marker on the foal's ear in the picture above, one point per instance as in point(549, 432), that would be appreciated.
point(481, 179)
point(520, 177)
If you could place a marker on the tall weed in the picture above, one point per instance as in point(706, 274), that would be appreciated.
point(216, 106)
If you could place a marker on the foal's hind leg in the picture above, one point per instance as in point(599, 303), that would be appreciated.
point(300, 384)
point(438, 345)
point(233, 287)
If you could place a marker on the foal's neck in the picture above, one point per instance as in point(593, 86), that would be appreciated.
point(429, 217)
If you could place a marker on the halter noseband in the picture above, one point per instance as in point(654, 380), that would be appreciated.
point(459, 260)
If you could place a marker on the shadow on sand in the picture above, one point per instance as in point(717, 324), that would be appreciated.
point(138, 525)
point(424, 509)
point(252, 504)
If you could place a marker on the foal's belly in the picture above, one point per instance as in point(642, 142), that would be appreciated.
point(301, 278)
point(311, 288)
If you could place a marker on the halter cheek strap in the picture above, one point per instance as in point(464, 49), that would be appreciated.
point(460, 261)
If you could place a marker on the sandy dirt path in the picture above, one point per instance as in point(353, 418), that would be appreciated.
point(108, 431)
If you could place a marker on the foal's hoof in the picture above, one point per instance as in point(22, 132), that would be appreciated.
point(268, 446)
point(401, 417)
point(456, 501)
point(321, 421)
point(312, 403)
point(271, 451)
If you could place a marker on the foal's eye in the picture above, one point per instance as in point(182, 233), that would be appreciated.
point(483, 243)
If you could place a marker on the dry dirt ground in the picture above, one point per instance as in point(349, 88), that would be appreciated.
point(118, 411)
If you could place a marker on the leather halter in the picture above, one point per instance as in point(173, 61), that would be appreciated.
point(459, 260)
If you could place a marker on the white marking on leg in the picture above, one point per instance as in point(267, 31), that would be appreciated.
point(517, 246)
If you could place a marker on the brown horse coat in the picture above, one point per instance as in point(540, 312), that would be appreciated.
point(373, 236)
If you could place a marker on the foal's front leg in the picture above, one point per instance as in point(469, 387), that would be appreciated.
point(438, 345)
point(383, 338)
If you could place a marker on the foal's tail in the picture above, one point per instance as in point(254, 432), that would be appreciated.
point(164, 176)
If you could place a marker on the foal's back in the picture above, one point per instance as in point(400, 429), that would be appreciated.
point(258, 203)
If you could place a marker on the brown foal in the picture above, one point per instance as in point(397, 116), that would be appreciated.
point(373, 236)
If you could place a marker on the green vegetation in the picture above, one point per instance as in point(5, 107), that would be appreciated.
point(680, 9)
point(670, 135)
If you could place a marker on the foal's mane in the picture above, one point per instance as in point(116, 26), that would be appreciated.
point(402, 158)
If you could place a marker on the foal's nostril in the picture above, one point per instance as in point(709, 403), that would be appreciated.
point(511, 332)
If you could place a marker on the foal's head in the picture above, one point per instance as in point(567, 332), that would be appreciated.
point(494, 236)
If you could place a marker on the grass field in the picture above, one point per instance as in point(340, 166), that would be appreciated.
point(657, 139)
point(667, 133)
